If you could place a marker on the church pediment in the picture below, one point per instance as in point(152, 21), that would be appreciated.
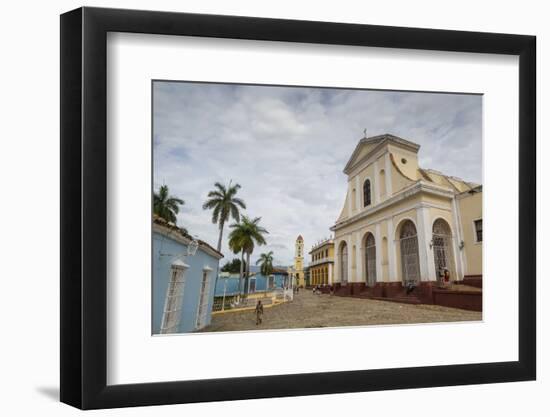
point(368, 146)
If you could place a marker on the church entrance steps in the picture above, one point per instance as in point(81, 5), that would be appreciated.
point(404, 300)
point(457, 296)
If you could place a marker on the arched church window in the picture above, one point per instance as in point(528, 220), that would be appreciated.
point(410, 263)
point(366, 193)
point(443, 250)
point(370, 259)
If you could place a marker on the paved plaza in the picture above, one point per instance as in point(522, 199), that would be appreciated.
point(309, 311)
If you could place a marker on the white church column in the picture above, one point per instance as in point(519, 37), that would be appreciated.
point(375, 186)
point(350, 198)
point(358, 258)
point(337, 267)
point(392, 261)
point(425, 253)
point(357, 194)
point(388, 172)
point(350, 257)
point(378, 243)
point(457, 238)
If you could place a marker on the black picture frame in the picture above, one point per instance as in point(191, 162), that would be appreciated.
point(84, 207)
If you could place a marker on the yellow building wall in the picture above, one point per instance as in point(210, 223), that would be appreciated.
point(408, 168)
point(471, 208)
point(368, 172)
point(404, 174)
point(345, 209)
point(398, 212)
point(322, 274)
point(381, 189)
point(378, 216)
point(446, 215)
point(399, 180)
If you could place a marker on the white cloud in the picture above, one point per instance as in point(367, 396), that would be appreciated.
point(287, 148)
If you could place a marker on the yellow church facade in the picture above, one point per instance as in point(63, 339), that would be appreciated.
point(404, 226)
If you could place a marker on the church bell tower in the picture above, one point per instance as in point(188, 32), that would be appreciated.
point(299, 262)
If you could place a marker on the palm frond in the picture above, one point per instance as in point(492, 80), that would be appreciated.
point(165, 205)
point(216, 214)
point(239, 202)
point(220, 187)
point(215, 194)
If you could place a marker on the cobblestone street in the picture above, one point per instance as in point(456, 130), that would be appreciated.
point(309, 311)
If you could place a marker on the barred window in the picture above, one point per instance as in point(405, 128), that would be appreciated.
point(478, 224)
point(370, 259)
point(202, 310)
point(174, 300)
point(410, 263)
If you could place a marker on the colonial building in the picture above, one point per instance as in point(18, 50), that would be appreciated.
point(184, 272)
point(296, 272)
point(404, 226)
point(321, 265)
point(228, 283)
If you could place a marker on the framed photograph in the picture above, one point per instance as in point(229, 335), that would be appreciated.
point(258, 208)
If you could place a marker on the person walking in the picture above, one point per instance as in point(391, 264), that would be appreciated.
point(259, 312)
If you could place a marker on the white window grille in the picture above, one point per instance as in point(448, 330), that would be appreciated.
point(202, 309)
point(344, 263)
point(252, 285)
point(174, 299)
point(370, 259)
point(410, 263)
point(443, 252)
point(271, 281)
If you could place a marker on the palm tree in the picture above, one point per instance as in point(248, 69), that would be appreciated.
point(266, 261)
point(165, 205)
point(237, 242)
point(243, 238)
point(224, 204)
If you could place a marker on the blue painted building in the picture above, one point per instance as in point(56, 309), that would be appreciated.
point(184, 276)
point(257, 283)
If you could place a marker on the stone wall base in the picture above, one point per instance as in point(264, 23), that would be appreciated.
point(466, 300)
point(472, 281)
point(426, 292)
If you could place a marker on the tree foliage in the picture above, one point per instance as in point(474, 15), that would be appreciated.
point(266, 263)
point(244, 236)
point(165, 205)
point(233, 266)
point(224, 204)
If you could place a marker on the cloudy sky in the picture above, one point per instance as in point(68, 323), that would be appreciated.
point(287, 148)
